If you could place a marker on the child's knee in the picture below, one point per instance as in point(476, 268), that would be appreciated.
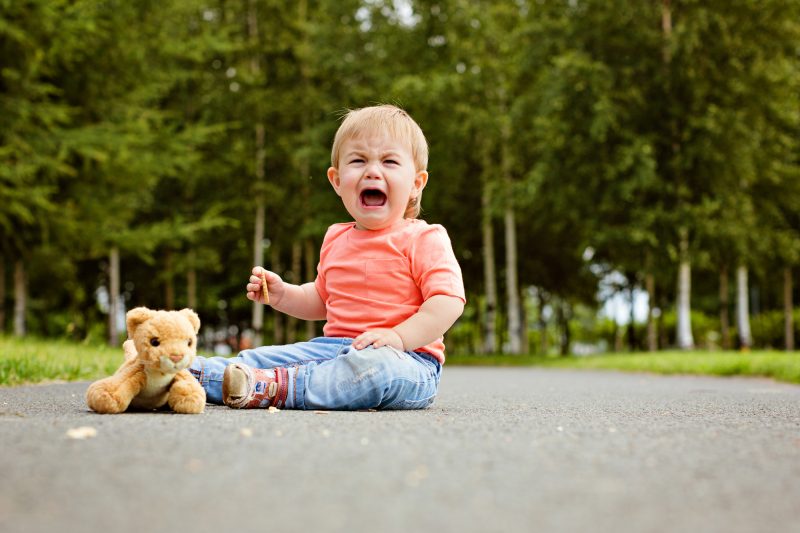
point(372, 363)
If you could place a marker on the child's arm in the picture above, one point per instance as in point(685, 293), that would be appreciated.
point(299, 301)
point(434, 318)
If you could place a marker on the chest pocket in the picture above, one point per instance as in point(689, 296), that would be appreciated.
point(390, 280)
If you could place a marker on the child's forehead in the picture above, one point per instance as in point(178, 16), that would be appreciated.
point(377, 142)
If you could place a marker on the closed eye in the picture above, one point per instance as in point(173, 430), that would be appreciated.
point(357, 160)
point(391, 162)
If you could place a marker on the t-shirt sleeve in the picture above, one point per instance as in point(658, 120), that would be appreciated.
point(434, 265)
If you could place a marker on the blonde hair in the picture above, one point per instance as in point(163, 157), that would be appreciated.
point(389, 120)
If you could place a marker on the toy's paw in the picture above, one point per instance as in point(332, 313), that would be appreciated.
point(129, 348)
point(187, 398)
point(103, 401)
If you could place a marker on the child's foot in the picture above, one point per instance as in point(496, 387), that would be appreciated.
point(244, 387)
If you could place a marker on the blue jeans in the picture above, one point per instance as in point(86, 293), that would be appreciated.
point(328, 373)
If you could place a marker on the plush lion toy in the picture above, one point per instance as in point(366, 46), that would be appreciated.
point(161, 347)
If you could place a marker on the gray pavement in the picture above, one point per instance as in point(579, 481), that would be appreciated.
point(500, 450)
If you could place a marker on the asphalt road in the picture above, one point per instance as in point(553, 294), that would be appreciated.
point(500, 450)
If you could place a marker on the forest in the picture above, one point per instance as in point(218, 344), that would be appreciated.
point(151, 152)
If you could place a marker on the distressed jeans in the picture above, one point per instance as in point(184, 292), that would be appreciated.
point(328, 373)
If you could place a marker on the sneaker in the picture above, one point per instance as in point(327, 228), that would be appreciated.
point(244, 387)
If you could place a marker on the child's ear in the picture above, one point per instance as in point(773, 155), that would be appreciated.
point(420, 180)
point(333, 177)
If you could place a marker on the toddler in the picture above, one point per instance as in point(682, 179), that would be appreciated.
point(387, 284)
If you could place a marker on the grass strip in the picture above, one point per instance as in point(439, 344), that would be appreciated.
point(32, 360)
point(782, 366)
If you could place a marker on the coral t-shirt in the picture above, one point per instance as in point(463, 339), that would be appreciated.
point(377, 279)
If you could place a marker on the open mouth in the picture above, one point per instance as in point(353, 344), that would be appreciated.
point(372, 198)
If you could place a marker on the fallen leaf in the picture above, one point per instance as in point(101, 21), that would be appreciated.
point(81, 433)
point(273, 409)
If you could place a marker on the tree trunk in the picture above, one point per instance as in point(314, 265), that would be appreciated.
point(564, 314)
point(512, 287)
point(489, 273)
point(743, 308)
point(524, 298)
point(169, 288)
point(311, 275)
point(632, 341)
point(663, 334)
point(291, 322)
point(650, 287)
point(191, 282)
point(2, 294)
point(544, 345)
point(684, 334)
point(724, 303)
point(788, 310)
point(113, 296)
point(277, 318)
point(20, 298)
point(258, 233)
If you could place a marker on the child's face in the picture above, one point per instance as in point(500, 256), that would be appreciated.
point(376, 178)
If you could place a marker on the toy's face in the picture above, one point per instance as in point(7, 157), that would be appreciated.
point(167, 342)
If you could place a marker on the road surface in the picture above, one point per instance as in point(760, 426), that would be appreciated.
point(500, 450)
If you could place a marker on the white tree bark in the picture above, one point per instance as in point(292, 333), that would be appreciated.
point(489, 274)
point(684, 333)
point(788, 310)
point(2, 294)
point(191, 281)
point(258, 233)
point(724, 324)
point(113, 296)
point(650, 287)
point(512, 286)
point(743, 308)
point(20, 298)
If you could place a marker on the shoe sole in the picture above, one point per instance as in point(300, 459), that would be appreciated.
point(227, 376)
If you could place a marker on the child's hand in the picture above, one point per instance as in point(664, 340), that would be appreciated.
point(377, 338)
point(275, 286)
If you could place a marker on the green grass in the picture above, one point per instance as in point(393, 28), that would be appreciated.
point(781, 366)
point(32, 360)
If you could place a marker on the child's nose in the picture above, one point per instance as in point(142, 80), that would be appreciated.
point(373, 170)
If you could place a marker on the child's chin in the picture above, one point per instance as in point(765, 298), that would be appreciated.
point(373, 224)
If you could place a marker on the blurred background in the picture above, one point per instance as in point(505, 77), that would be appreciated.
point(614, 174)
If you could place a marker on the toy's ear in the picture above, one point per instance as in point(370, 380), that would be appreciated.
point(193, 318)
point(136, 317)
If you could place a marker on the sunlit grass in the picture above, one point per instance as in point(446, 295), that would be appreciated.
point(782, 366)
point(31, 360)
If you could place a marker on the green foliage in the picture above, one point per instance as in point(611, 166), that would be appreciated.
point(132, 125)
